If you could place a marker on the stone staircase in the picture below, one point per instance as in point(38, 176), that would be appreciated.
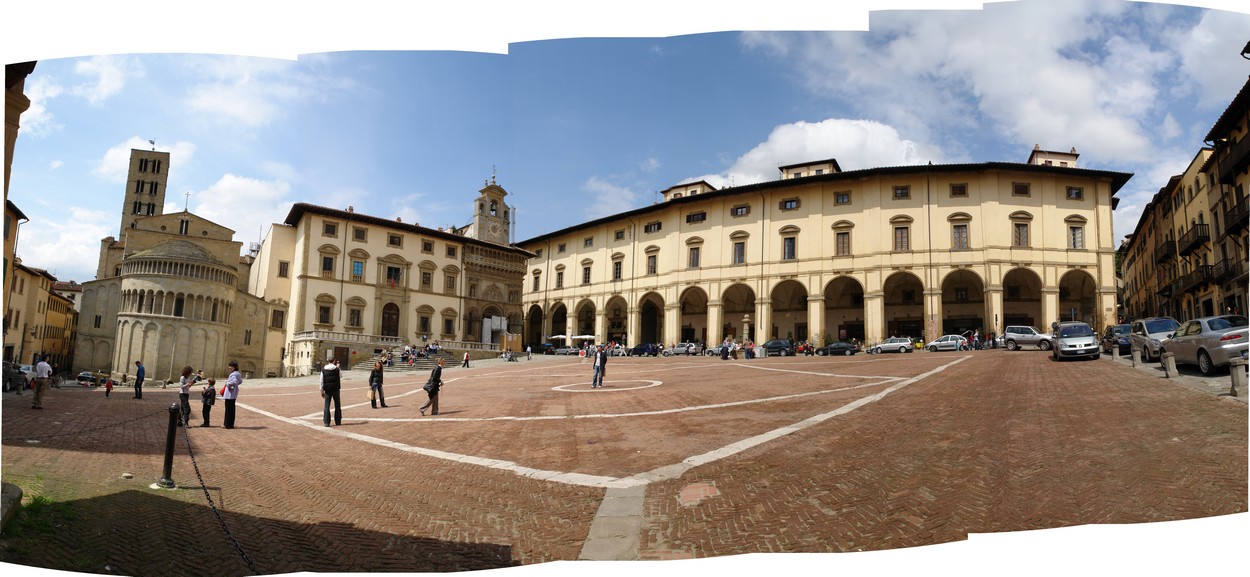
point(420, 366)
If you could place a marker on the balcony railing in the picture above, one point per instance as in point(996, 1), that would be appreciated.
point(1234, 269)
point(1197, 235)
point(1237, 216)
point(1165, 252)
point(1196, 278)
point(1232, 160)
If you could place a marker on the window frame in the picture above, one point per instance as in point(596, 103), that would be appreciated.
point(901, 192)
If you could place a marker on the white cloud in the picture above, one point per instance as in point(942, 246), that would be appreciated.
point(55, 164)
point(38, 120)
point(115, 164)
point(68, 252)
point(603, 198)
point(256, 92)
point(246, 205)
point(1209, 57)
point(649, 164)
point(109, 75)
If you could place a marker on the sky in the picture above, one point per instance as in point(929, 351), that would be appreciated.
point(583, 112)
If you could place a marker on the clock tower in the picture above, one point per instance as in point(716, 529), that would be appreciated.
point(492, 218)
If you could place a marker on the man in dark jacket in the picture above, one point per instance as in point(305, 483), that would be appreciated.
point(331, 379)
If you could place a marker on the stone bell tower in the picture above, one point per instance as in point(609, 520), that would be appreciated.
point(492, 217)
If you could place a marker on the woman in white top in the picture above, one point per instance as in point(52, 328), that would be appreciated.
point(184, 393)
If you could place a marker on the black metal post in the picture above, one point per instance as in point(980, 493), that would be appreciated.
point(167, 474)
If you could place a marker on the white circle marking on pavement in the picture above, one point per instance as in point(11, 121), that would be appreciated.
point(567, 389)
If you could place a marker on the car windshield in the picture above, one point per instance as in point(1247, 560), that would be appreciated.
point(1075, 331)
point(1120, 329)
point(1228, 322)
point(1161, 326)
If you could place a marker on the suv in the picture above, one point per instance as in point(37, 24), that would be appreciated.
point(780, 347)
point(1147, 335)
point(1016, 336)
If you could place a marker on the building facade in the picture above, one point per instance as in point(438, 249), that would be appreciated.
point(349, 285)
point(822, 254)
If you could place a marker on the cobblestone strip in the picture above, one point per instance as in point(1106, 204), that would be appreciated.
point(616, 528)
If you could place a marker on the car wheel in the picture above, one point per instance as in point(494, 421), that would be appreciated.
point(1145, 356)
point(933, 349)
point(1097, 356)
point(1011, 345)
point(1204, 363)
point(848, 352)
point(902, 349)
point(1044, 345)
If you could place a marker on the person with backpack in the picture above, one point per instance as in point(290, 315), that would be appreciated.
point(331, 387)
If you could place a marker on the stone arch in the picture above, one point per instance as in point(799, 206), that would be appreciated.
point(1022, 299)
point(844, 309)
point(904, 305)
point(651, 318)
point(738, 300)
point(533, 326)
point(1078, 298)
point(963, 303)
point(617, 311)
point(560, 321)
point(788, 304)
point(693, 314)
point(584, 312)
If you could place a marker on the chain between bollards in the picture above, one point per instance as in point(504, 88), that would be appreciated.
point(167, 474)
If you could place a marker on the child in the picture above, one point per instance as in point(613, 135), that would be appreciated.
point(108, 387)
point(209, 395)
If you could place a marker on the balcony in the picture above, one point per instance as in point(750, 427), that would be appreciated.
point(1196, 278)
point(1234, 269)
point(1165, 252)
point(1237, 216)
point(1233, 160)
point(1197, 235)
point(1165, 288)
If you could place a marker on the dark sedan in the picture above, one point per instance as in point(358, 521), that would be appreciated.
point(643, 350)
point(1117, 336)
point(838, 348)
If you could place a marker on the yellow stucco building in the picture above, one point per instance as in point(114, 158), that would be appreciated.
point(822, 254)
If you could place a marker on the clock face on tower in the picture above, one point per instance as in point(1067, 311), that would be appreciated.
point(494, 228)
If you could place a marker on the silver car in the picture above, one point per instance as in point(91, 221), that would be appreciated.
point(1075, 340)
point(1016, 336)
point(894, 345)
point(1209, 342)
point(947, 343)
point(1147, 335)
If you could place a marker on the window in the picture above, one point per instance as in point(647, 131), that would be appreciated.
point(427, 246)
point(1076, 237)
point(1076, 193)
point(616, 270)
point(619, 235)
point(323, 314)
point(284, 269)
point(790, 204)
point(586, 275)
point(1019, 189)
point(652, 264)
point(151, 209)
point(358, 271)
point(427, 280)
point(184, 226)
point(152, 187)
point(787, 248)
point(353, 317)
point(902, 239)
point(740, 210)
point(278, 319)
point(536, 280)
point(961, 294)
point(588, 242)
point(394, 276)
point(652, 227)
point(560, 249)
point(449, 326)
point(1020, 235)
point(327, 265)
point(693, 260)
point(843, 197)
point(740, 252)
point(449, 285)
point(451, 252)
point(842, 243)
point(959, 190)
point(97, 321)
point(329, 229)
point(138, 187)
point(696, 217)
point(247, 336)
point(959, 237)
point(902, 192)
point(560, 279)
point(397, 241)
point(425, 323)
point(360, 234)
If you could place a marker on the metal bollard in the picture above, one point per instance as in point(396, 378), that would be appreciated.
point(1115, 351)
point(167, 474)
point(1169, 365)
point(1237, 373)
point(1134, 354)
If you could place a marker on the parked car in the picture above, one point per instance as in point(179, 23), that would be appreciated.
point(1116, 336)
point(779, 347)
point(838, 348)
point(87, 378)
point(1074, 340)
point(618, 351)
point(684, 349)
point(643, 350)
point(712, 351)
point(14, 377)
point(1209, 342)
point(1147, 335)
point(894, 345)
point(565, 351)
point(547, 349)
point(1016, 336)
point(947, 343)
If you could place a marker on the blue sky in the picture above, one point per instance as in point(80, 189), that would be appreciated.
point(580, 119)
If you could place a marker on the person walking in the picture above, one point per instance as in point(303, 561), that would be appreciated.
point(43, 372)
point(139, 374)
point(375, 384)
point(207, 397)
point(231, 393)
point(601, 360)
point(529, 353)
point(432, 387)
point(108, 387)
point(184, 393)
point(331, 388)
point(466, 360)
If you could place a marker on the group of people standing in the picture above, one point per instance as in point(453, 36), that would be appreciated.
point(208, 395)
point(331, 385)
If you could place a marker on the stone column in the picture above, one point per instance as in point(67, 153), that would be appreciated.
point(715, 321)
point(632, 337)
point(816, 320)
point(932, 314)
point(672, 324)
point(763, 319)
point(994, 311)
point(1050, 308)
point(874, 317)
